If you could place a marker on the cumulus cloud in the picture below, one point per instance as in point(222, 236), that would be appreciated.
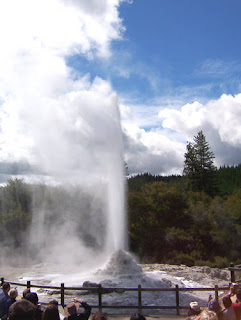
point(155, 137)
point(220, 121)
point(35, 82)
point(152, 151)
point(63, 26)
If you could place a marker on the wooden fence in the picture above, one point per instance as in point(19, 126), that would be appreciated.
point(234, 268)
point(102, 290)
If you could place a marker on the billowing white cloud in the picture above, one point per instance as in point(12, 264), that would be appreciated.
point(63, 26)
point(155, 141)
point(223, 115)
point(220, 121)
point(36, 86)
point(152, 151)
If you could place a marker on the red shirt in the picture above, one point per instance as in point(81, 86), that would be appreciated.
point(237, 309)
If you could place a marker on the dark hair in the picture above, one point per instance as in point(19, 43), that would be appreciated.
point(32, 297)
point(137, 316)
point(99, 316)
point(192, 312)
point(53, 303)
point(214, 306)
point(25, 292)
point(6, 286)
point(238, 294)
point(51, 313)
point(22, 310)
point(227, 302)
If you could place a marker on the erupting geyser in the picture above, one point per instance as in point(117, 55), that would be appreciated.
point(83, 156)
point(64, 123)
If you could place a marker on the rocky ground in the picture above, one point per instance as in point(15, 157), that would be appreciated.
point(204, 275)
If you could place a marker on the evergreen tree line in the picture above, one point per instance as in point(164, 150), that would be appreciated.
point(227, 180)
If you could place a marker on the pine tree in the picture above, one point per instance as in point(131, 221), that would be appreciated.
point(198, 166)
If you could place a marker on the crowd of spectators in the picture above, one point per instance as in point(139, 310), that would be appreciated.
point(228, 308)
point(28, 307)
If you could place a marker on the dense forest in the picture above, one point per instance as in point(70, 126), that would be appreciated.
point(192, 219)
point(169, 223)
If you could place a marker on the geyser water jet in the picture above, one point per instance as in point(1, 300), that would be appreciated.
point(84, 152)
point(78, 216)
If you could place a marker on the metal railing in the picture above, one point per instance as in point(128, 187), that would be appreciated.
point(102, 290)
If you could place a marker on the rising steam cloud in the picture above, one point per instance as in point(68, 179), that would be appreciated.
point(58, 120)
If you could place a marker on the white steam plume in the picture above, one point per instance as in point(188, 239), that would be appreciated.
point(56, 119)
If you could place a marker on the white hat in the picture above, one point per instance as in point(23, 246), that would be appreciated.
point(194, 305)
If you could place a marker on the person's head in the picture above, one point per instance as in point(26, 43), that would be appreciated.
point(53, 303)
point(51, 313)
point(227, 302)
point(71, 308)
point(99, 316)
point(208, 315)
point(21, 310)
point(137, 316)
point(13, 293)
point(214, 306)
point(238, 294)
point(194, 308)
point(6, 287)
point(32, 297)
point(25, 292)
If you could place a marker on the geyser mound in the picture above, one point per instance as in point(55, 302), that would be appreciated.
point(120, 263)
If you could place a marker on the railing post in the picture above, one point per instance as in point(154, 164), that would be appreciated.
point(62, 294)
point(139, 299)
point(177, 300)
point(232, 274)
point(28, 284)
point(216, 292)
point(100, 297)
point(2, 281)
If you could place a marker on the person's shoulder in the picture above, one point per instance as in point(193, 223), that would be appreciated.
point(81, 316)
point(236, 304)
point(231, 314)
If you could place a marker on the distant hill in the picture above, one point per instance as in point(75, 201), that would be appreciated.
point(228, 180)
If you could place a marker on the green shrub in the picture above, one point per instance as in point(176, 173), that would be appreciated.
point(220, 262)
point(182, 258)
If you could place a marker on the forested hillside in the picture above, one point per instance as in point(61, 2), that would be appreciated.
point(170, 223)
point(228, 180)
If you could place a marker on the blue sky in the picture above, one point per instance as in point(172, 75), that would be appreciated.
point(174, 67)
point(175, 48)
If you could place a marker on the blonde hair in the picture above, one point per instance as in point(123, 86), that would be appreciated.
point(13, 293)
point(208, 315)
